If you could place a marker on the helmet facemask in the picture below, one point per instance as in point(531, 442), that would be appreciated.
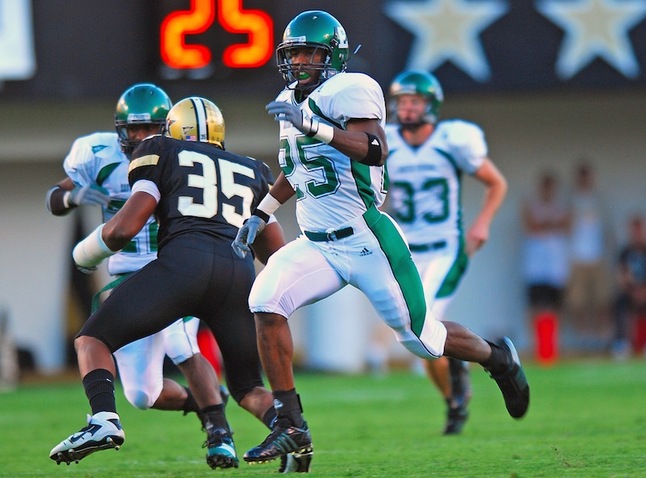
point(321, 32)
point(128, 145)
point(294, 73)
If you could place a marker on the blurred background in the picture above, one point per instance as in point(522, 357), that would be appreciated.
point(553, 83)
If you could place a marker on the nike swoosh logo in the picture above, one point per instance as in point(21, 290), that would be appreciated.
point(91, 430)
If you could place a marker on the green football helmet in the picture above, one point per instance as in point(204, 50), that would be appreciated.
point(141, 104)
point(418, 83)
point(314, 29)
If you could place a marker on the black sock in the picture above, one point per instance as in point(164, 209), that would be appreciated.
point(457, 371)
point(190, 405)
point(99, 389)
point(213, 416)
point(498, 361)
point(288, 405)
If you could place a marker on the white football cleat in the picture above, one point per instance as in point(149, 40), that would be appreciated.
point(103, 431)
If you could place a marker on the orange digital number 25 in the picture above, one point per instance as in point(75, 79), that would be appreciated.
point(257, 24)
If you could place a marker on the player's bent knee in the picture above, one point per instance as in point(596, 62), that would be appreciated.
point(139, 398)
point(183, 357)
point(429, 344)
point(266, 316)
point(425, 351)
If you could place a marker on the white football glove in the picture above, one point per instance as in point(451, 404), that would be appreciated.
point(287, 112)
point(247, 234)
point(88, 195)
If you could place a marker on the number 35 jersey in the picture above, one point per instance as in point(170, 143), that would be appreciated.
point(426, 181)
point(202, 188)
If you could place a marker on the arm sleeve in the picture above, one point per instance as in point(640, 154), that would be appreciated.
point(146, 186)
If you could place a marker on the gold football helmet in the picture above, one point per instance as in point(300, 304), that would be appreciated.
point(196, 119)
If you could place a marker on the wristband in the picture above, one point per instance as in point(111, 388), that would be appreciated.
point(48, 201)
point(324, 132)
point(268, 205)
point(261, 214)
point(91, 251)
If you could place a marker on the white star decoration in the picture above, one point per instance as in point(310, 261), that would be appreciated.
point(595, 28)
point(447, 30)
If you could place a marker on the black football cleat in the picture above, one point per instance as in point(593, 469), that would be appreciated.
point(512, 381)
point(455, 420)
point(283, 439)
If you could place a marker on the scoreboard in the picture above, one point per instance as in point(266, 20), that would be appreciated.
point(230, 15)
point(74, 49)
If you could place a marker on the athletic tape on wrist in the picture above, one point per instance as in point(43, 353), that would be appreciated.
point(92, 250)
point(269, 204)
point(324, 132)
point(267, 207)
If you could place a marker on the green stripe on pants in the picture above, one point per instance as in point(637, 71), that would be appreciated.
point(401, 264)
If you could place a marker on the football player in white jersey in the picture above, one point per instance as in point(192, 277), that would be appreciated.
point(97, 174)
point(426, 164)
point(332, 151)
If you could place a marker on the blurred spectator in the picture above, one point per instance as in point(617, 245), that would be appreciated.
point(630, 304)
point(545, 263)
point(9, 367)
point(588, 291)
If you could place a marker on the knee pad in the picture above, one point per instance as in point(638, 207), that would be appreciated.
point(139, 398)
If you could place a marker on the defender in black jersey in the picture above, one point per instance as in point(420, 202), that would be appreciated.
point(200, 195)
point(203, 189)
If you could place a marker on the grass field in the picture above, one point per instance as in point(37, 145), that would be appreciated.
point(586, 419)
